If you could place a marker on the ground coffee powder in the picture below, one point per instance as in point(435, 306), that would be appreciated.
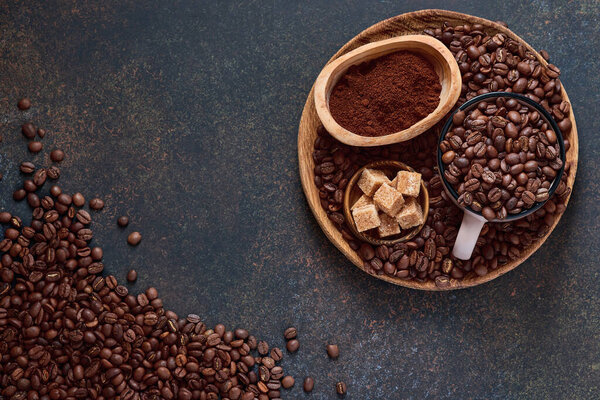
point(385, 95)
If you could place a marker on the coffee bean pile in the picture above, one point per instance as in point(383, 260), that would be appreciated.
point(68, 332)
point(500, 157)
point(488, 63)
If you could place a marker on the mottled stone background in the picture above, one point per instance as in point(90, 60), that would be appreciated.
point(184, 115)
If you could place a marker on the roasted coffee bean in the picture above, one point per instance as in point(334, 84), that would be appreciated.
point(24, 104)
point(27, 167)
point(340, 388)
point(57, 155)
point(123, 221)
point(309, 384)
point(35, 147)
point(333, 351)
point(78, 200)
point(263, 348)
point(28, 130)
point(287, 382)
point(290, 333)
point(96, 203)
point(292, 345)
point(132, 275)
point(134, 238)
point(53, 172)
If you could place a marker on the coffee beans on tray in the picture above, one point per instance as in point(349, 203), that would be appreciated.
point(488, 63)
point(501, 157)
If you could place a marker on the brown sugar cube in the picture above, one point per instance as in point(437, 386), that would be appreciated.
point(366, 218)
point(364, 200)
point(370, 180)
point(409, 183)
point(388, 199)
point(411, 214)
point(389, 226)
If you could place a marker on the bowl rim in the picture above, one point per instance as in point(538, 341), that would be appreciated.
point(560, 140)
point(400, 166)
point(321, 94)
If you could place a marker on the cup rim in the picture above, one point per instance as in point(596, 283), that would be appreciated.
point(538, 108)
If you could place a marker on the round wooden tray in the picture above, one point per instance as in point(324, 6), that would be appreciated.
point(406, 24)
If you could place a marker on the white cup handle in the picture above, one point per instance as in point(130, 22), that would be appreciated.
point(469, 231)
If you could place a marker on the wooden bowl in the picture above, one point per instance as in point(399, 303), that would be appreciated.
point(353, 192)
point(411, 23)
point(432, 49)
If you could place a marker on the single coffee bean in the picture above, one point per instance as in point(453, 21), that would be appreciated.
point(528, 198)
point(340, 388)
point(333, 351)
point(96, 203)
point(132, 275)
point(78, 199)
point(57, 155)
point(24, 104)
point(276, 354)
point(488, 213)
point(287, 382)
point(134, 238)
point(123, 221)
point(35, 146)
point(27, 167)
point(290, 333)
point(28, 130)
point(263, 348)
point(309, 384)
point(292, 345)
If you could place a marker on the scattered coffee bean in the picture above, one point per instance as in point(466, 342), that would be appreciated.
point(35, 146)
point(28, 130)
point(41, 132)
point(5, 217)
point(134, 238)
point(292, 345)
point(132, 275)
point(290, 333)
point(24, 103)
point(340, 388)
point(96, 203)
point(287, 382)
point(309, 384)
point(78, 200)
point(57, 155)
point(123, 221)
point(27, 167)
point(333, 351)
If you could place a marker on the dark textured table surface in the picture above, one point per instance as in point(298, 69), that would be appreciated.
point(184, 115)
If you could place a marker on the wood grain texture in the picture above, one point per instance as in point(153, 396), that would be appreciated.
point(406, 24)
point(432, 49)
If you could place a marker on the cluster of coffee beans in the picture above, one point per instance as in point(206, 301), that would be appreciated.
point(488, 63)
point(501, 157)
point(68, 332)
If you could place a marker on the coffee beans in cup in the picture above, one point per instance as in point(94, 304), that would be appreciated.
point(501, 157)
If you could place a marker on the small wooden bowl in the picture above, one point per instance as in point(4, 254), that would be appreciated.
point(353, 192)
point(440, 57)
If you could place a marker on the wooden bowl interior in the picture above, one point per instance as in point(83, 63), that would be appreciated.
point(353, 193)
point(411, 23)
point(434, 51)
